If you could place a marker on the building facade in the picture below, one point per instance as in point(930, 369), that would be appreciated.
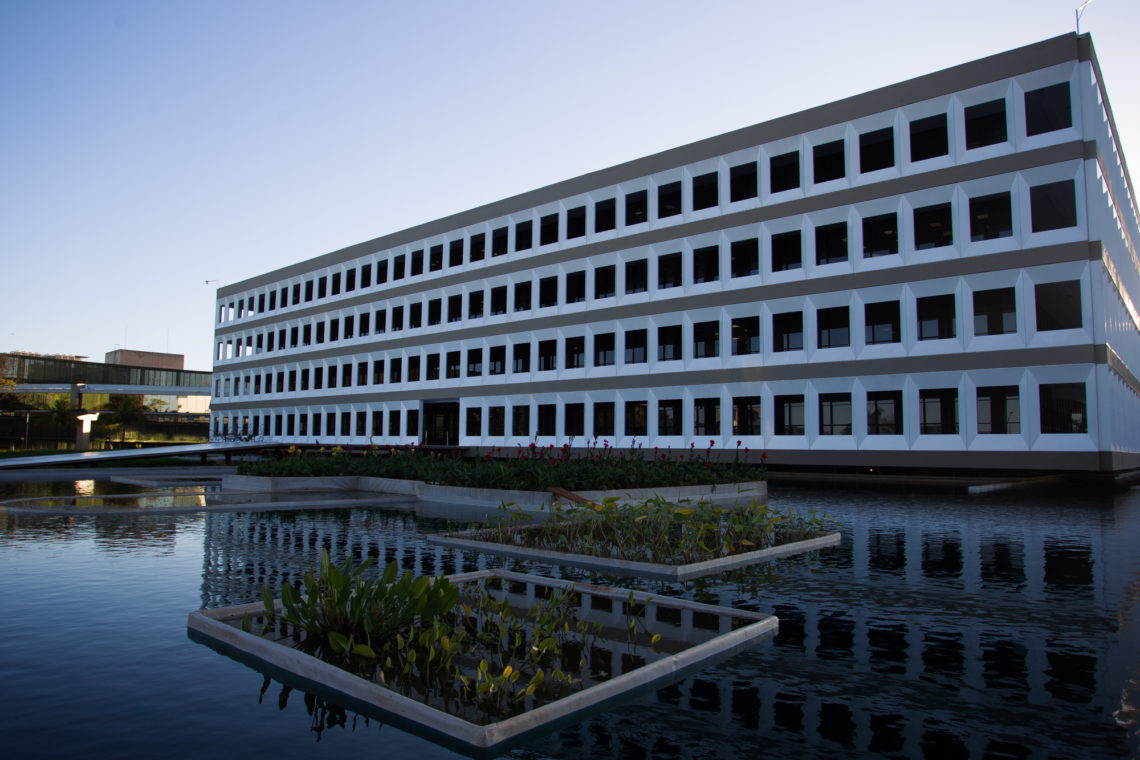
point(938, 273)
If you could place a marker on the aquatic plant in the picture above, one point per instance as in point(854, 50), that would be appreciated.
point(656, 530)
point(456, 646)
point(597, 466)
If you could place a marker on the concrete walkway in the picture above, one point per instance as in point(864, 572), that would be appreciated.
point(89, 458)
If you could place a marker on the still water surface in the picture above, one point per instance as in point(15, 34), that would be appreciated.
point(943, 626)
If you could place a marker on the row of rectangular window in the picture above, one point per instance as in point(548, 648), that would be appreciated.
point(1046, 109)
point(1062, 408)
point(1053, 206)
point(1057, 307)
point(317, 424)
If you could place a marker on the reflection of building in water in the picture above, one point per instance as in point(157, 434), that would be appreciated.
point(1005, 636)
point(244, 551)
point(157, 531)
point(973, 631)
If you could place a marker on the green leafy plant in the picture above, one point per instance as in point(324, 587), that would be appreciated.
point(660, 531)
point(596, 466)
point(345, 612)
point(458, 647)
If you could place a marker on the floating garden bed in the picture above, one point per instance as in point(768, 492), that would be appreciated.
point(595, 467)
point(653, 538)
point(477, 659)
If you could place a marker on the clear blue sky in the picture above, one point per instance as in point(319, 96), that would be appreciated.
point(146, 147)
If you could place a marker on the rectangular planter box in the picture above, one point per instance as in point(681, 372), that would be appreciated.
point(649, 570)
point(693, 635)
point(723, 494)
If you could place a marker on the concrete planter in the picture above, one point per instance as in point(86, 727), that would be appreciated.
point(649, 570)
point(696, 635)
point(724, 494)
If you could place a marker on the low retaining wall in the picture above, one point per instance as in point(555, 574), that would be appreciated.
point(723, 494)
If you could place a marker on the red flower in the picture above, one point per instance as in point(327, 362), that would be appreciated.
point(739, 444)
point(764, 456)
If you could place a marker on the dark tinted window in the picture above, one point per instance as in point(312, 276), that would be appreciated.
point(831, 243)
point(576, 222)
point(745, 255)
point(828, 161)
point(933, 227)
point(636, 207)
point(991, 217)
point(985, 124)
point(605, 215)
point(877, 150)
point(1063, 408)
point(1053, 206)
point(882, 322)
point(787, 251)
point(706, 193)
point(880, 235)
point(669, 270)
point(1048, 109)
point(788, 331)
point(784, 172)
point(1058, 305)
point(936, 317)
point(668, 200)
point(928, 138)
point(524, 235)
point(742, 182)
point(706, 264)
point(548, 229)
point(995, 311)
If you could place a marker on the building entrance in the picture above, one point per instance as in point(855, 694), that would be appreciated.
point(441, 423)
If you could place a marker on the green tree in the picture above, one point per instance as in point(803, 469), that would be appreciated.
point(63, 415)
point(128, 411)
point(9, 399)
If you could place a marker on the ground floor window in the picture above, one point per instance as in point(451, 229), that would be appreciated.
point(706, 416)
point(789, 415)
point(637, 418)
point(835, 414)
point(669, 417)
point(938, 411)
point(999, 410)
point(746, 415)
point(884, 413)
point(603, 418)
point(1063, 408)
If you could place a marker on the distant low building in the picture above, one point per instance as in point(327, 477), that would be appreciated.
point(178, 399)
point(154, 359)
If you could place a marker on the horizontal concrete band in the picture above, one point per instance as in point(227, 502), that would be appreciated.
point(935, 270)
point(649, 570)
point(1063, 461)
point(975, 459)
point(1007, 164)
point(902, 365)
point(1060, 49)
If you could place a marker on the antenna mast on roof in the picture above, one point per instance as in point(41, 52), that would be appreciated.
point(1078, 11)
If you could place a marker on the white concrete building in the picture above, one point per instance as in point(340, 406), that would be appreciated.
point(938, 273)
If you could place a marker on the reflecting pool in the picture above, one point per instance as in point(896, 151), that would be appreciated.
point(942, 626)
